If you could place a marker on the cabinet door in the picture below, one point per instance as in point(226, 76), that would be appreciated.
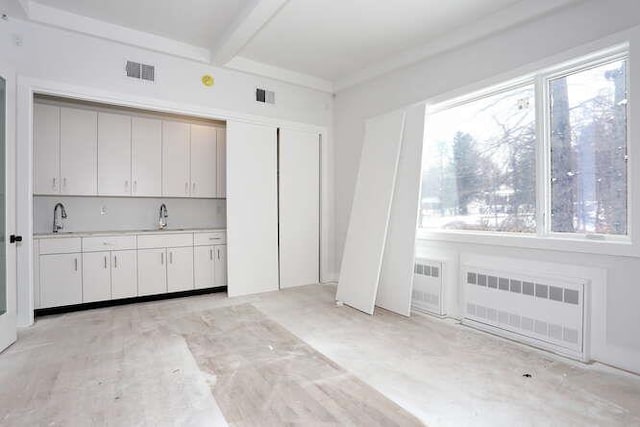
point(96, 276)
point(114, 154)
point(203, 266)
point(152, 272)
point(60, 280)
point(124, 279)
point(78, 151)
point(146, 148)
point(220, 265)
point(180, 269)
point(221, 158)
point(175, 159)
point(203, 161)
point(46, 149)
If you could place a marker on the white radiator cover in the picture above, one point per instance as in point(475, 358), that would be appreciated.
point(541, 310)
point(428, 287)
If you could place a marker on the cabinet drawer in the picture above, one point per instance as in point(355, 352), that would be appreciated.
point(64, 245)
point(108, 243)
point(164, 240)
point(212, 238)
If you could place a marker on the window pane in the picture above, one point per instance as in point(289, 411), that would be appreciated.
point(588, 151)
point(479, 165)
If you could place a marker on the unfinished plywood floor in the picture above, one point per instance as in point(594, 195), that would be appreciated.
point(303, 361)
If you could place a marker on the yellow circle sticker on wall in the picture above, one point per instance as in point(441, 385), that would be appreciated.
point(207, 80)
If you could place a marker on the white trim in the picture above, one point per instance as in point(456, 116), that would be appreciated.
point(70, 21)
point(28, 86)
point(509, 17)
point(246, 65)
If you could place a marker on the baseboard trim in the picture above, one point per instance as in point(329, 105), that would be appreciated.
point(112, 303)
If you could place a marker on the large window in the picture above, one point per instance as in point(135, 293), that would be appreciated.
point(489, 165)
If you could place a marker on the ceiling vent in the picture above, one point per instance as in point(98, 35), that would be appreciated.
point(140, 71)
point(265, 96)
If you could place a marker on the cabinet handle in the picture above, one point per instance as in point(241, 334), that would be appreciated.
point(53, 185)
point(135, 187)
point(170, 257)
point(126, 185)
point(211, 254)
point(64, 183)
point(162, 258)
point(75, 264)
point(218, 254)
point(115, 261)
point(105, 261)
point(193, 189)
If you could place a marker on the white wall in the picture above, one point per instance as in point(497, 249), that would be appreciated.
point(87, 64)
point(616, 340)
point(127, 213)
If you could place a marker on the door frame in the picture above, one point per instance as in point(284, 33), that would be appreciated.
point(27, 87)
point(8, 325)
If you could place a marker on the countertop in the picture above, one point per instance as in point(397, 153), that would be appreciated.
point(67, 234)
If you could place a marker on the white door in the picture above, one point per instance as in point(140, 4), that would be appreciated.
point(46, 149)
point(175, 159)
point(124, 270)
point(96, 276)
point(252, 208)
point(60, 280)
point(221, 158)
point(203, 266)
point(78, 151)
point(152, 271)
point(146, 152)
point(7, 212)
point(114, 154)
point(299, 207)
point(220, 265)
point(180, 269)
point(369, 220)
point(203, 161)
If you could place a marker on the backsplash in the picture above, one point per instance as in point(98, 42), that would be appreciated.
point(127, 213)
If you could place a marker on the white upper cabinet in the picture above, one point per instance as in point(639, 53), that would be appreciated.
point(203, 161)
point(114, 154)
point(46, 149)
point(78, 151)
point(221, 163)
point(146, 150)
point(176, 178)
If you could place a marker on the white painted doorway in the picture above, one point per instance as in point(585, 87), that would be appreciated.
point(299, 207)
point(8, 240)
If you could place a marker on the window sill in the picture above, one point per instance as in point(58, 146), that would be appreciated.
point(610, 246)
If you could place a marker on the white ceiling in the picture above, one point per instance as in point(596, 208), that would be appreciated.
point(333, 38)
point(198, 22)
point(324, 44)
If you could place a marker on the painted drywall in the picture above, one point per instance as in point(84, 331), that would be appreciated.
point(127, 213)
point(466, 67)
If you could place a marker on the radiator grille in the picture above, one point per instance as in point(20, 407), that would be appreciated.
point(427, 287)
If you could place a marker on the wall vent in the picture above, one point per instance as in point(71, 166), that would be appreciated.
point(545, 312)
point(427, 294)
point(265, 96)
point(140, 71)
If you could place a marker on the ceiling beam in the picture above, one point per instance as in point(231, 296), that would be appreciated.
point(244, 28)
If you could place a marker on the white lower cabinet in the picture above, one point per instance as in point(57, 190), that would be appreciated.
point(180, 269)
point(60, 279)
point(124, 274)
point(152, 271)
point(220, 265)
point(96, 276)
point(203, 266)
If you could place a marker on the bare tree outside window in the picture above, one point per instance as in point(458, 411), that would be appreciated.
point(479, 165)
point(589, 151)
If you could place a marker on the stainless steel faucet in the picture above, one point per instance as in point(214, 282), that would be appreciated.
point(162, 217)
point(57, 220)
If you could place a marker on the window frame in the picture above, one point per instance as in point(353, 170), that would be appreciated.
point(544, 237)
